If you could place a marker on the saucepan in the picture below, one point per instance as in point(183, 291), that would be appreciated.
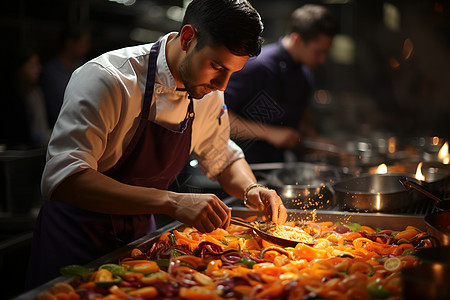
point(437, 175)
point(304, 185)
point(429, 279)
point(441, 204)
point(373, 193)
point(438, 225)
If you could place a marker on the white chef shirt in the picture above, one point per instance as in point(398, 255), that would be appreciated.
point(100, 115)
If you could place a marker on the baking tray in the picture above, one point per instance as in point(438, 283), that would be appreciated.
point(375, 220)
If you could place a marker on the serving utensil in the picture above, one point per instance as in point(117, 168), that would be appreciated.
point(266, 236)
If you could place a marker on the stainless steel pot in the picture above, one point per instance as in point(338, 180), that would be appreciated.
point(429, 279)
point(304, 185)
point(373, 193)
point(438, 225)
point(441, 205)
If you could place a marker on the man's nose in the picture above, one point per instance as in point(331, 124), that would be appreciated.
point(221, 81)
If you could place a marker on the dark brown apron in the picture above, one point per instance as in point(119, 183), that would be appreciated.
point(69, 235)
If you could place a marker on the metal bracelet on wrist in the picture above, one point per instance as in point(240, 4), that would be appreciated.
point(247, 190)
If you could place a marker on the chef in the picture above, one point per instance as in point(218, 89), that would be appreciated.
point(129, 121)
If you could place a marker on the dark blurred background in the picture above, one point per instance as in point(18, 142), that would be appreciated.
point(387, 75)
point(388, 70)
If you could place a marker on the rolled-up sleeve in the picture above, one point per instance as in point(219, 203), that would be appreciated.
point(81, 133)
point(213, 148)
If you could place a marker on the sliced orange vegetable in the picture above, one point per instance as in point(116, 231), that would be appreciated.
point(194, 261)
point(218, 233)
point(271, 254)
point(165, 236)
point(197, 293)
point(154, 277)
point(213, 265)
point(367, 229)
point(406, 234)
point(87, 285)
point(393, 264)
point(115, 290)
point(136, 253)
point(146, 267)
point(351, 236)
point(132, 276)
point(146, 292)
point(183, 240)
point(61, 296)
point(129, 263)
point(250, 244)
point(271, 292)
point(309, 253)
point(102, 275)
point(361, 267)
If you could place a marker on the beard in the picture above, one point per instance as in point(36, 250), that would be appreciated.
point(196, 91)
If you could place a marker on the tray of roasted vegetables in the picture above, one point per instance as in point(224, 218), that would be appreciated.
point(346, 261)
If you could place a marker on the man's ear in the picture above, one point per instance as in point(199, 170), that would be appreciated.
point(296, 38)
point(187, 35)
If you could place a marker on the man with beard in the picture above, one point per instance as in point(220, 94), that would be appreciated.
point(126, 128)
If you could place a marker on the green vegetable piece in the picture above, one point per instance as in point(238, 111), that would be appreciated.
point(114, 269)
point(402, 241)
point(175, 252)
point(246, 261)
point(163, 262)
point(172, 239)
point(76, 270)
point(408, 252)
point(377, 291)
point(355, 227)
point(107, 284)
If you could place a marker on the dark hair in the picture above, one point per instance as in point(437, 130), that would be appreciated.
point(310, 21)
point(232, 23)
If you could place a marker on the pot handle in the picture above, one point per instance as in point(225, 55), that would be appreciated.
point(407, 184)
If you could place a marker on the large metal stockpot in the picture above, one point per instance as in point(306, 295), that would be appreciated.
point(373, 193)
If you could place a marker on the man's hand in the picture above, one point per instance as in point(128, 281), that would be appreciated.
point(282, 137)
point(269, 203)
point(205, 212)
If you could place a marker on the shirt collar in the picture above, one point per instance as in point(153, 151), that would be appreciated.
point(163, 75)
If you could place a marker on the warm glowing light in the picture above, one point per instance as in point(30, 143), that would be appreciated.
point(391, 145)
point(382, 169)
point(407, 49)
point(393, 63)
point(419, 175)
point(443, 154)
point(435, 140)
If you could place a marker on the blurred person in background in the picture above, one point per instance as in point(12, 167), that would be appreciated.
point(75, 43)
point(23, 117)
point(268, 98)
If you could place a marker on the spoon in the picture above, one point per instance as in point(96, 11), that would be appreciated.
point(266, 236)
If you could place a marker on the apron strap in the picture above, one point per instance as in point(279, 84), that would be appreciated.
point(150, 78)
